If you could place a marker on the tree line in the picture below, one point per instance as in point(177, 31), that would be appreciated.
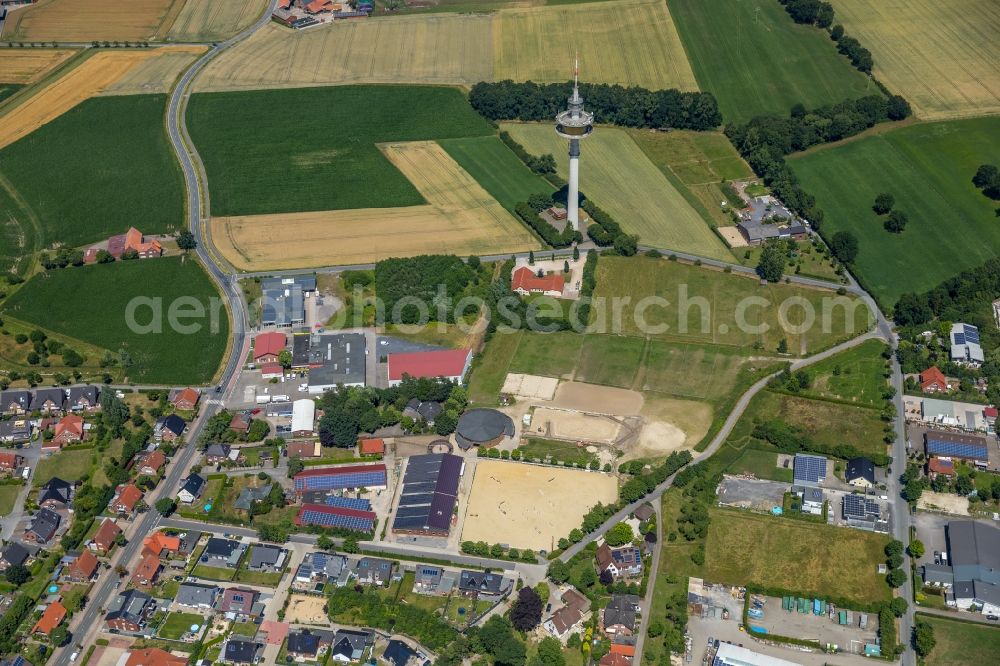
point(612, 104)
point(821, 14)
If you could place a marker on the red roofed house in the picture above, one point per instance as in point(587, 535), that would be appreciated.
point(128, 497)
point(154, 657)
point(304, 450)
point(451, 364)
point(10, 461)
point(267, 346)
point(933, 380)
point(104, 539)
point(50, 619)
point(317, 6)
point(624, 649)
point(133, 240)
point(158, 542)
point(145, 573)
point(990, 414)
point(186, 399)
point(83, 568)
point(271, 371)
point(151, 463)
point(525, 281)
point(371, 447)
point(615, 659)
point(68, 429)
point(940, 467)
point(240, 422)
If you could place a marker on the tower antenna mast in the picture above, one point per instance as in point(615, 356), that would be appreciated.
point(574, 124)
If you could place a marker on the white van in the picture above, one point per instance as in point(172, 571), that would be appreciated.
point(26, 472)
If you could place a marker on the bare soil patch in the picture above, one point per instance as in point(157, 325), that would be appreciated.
point(598, 399)
point(530, 387)
point(944, 503)
point(566, 424)
point(303, 609)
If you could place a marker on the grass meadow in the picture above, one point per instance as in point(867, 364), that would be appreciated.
point(726, 316)
point(855, 375)
point(762, 464)
point(17, 234)
point(961, 643)
point(258, 161)
point(496, 168)
point(70, 466)
point(619, 178)
point(928, 168)
point(811, 559)
point(98, 169)
point(756, 60)
point(90, 303)
point(8, 497)
point(918, 54)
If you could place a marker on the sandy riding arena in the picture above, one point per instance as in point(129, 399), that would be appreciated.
point(530, 387)
point(461, 218)
point(567, 424)
point(304, 609)
point(598, 399)
point(530, 506)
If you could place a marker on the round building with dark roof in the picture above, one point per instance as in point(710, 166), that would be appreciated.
point(483, 427)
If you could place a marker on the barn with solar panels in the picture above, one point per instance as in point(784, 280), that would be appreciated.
point(341, 477)
point(953, 445)
point(809, 470)
point(864, 513)
point(965, 345)
point(324, 515)
point(429, 495)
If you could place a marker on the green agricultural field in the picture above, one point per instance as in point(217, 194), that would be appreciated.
point(549, 354)
point(496, 168)
point(709, 306)
point(611, 360)
point(67, 465)
point(807, 558)
point(257, 162)
point(17, 234)
point(961, 643)
point(700, 372)
point(91, 303)
point(756, 60)
point(928, 168)
point(98, 169)
point(762, 464)
point(619, 178)
point(177, 624)
point(490, 368)
point(855, 375)
point(8, 89)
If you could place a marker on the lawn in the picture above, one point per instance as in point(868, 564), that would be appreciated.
point(91, 303)
point(808, 559)
point(762, 464)
point(961, 643)
point(67, 465)
point(611, 360)
point(701, 372)
point(618, 177)
point(8, 496)
point(496, 168)
point(268, 578)
point(177, 624)
point(250, 149)
point(756, 60)
point(213, 573)
point(567, 452)
point(549, 354)
point(928, 168)
point(855, 375)
point(490, 368)
point(115, 169)
point(709, 306)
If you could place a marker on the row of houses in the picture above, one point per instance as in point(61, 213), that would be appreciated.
point(84, 398)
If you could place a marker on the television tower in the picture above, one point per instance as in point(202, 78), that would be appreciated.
point(574, 124)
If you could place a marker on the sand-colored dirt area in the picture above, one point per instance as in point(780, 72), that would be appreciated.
point(531, 506)
point(90, 78)
point(732, 236)
point(567, 424)
point(86, 20)
point(157, 73)
point(530, 387)
point(671, 425)
point(304, 609)
point(944, 503)
point(29, 65)
point(460, 218)
point(598, 399)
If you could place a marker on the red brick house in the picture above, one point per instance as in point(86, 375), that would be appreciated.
point(933, 380)
point(238, 600)
point(158, 542)
point(940, 467)
point(145, 574)
point(371, 447)
point(186, 399)
point(53, 616)
point(69, 429)
point(126, 500)
point(525, 282)
point(10, 461)
point(151, 463)
point(267, 346)
point(83, 568)
point(240, 423)
point(104, 538)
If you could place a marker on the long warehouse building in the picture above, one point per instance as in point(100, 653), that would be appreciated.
point(430, 493)
point(341, 477)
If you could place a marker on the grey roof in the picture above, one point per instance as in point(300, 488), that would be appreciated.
point(986, 592)
point(197, 594)
point(856, 506)
point(481, 581)
point(171, 422)
point(54, 395)
point(938, 573)
point(305, 282)
point(21, 397)
point(809, 469)
point(427, 411)
point(15, 554)
point(430, 487)
point(860, 468)
point(380, 569)
point(350, 643)
point(221, 548)
point(282, 305)
point(265, 555)
point(129, 605)
point(44, 524)
point(88, 392)
point(15, 430)
point(217, 450)
point(248, 496)
point(240, 650)
point(620, 610)
point(303, 641)
point(340, 358)
point(398, 653)
point(482, 425)
point(56, 490)
point(973, 544)
point(194, 485)
point(300, 349)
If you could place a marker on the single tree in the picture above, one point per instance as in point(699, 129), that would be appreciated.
point(165, 506)
point(531, 257)
point(606, 578)
point(565, 267)
point(295, 465)
point(896, 577)
point(350, 545)
point(917, 548)
point(324, 543)
point(844, 246)
point(550, 652)
point(285, 358)
point(186, 240)
point(772, 263)
point(558, 571)
point(884, 203)
point(783, 346)
point(576, 253)
point(923, 638)
point(527, 610)
point(896, 222)
point(17, 574)
point(619, 535)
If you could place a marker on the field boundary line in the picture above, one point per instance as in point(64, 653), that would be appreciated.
point(59, 71)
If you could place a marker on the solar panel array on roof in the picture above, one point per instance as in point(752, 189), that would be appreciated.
point(809, 469)
point(311, 514)
point(358, 503)
point(959, 338)
point(430, 486)
point(957, 450)
point(364, 476)
point(971, 333)
point(856, 506)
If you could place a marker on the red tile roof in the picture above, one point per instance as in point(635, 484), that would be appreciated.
point(302, 449)
point(154, 657)
point(187, 396)
point(158, 542)
point(939, 466)
point(443, 363)
point(128, 497)
point(271, 369)
point(623, 649)
point(269, 344)
point(8, 460)
point(990, 412)
point(84, 566)
point(154, 460)
point(146, 571)
point(71, 424)
point(371, 446)
point(615, 659)
point(527, 280)
point(106, 534)
point(932, 376)
point(50, 619)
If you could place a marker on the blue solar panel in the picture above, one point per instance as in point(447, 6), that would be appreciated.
point(959, 338)
point(349, 503)
point(957, 450)
point(810, 468)
point(313, 517)
point(339, 481)
point(971, 333)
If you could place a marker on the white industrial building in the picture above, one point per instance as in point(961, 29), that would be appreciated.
point(303, 417)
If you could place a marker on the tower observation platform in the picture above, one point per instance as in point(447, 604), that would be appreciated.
point(574, 124)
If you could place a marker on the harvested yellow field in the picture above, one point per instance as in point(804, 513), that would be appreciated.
point(440, 48)
point(94, 75)
point(944, 57)
point(29, 65)
point(459, 218)
point(631, 42)
point(214, 19)
point(85, 20)
point(157, 73)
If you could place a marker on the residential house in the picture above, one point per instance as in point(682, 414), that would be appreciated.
point(83, 399)
point(55, 494)
point(483, 584)
point(241, 602)
point(133, 241)
point(265, 557)
point(15, 401)
point(52, 617)
point(185, 399)
point(197, 595)
point(624, 646)
point(147, 571)
point(938, 575)
point(618, 618)
point(14, 554)
point(82, 569)
point(398, 653)
point(153, 657)
point(43, 527)
point(426, 579)
point(615, 659)
point(217, 453)
point(250, 496)
point(192, 489)
point(267, 347)
point(48, 400)
point(320, 567)
point(965, 345)
point(625, 561)
point(425, 411)
point(222, 552)
point(371, 447)
point(374, 571)
point(302, 644)
point(349, 645)
point(129, 611)
point(304, 450)
point(241, 650)
point(168, 428)
point(149, 464)
point(240, 423)
point(860, 472)
point(933, 380)
point(524, 282)
point(565, 620)
point(157, 543)
point(68, 429)
point(863, 512)
point(9, 462)
point(809, 470)
point(938, 466)
point(643, 512)
point(105, 537)
point(15, 431)
point(126, 499)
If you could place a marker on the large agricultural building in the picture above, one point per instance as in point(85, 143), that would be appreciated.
point(342, 477)
point(430, 493)
point(450, 364)
point(952, 445)
point(483, 427)
point(971, 576)
point(283, 300)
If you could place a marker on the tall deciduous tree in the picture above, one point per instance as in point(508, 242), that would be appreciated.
point(527, 610)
